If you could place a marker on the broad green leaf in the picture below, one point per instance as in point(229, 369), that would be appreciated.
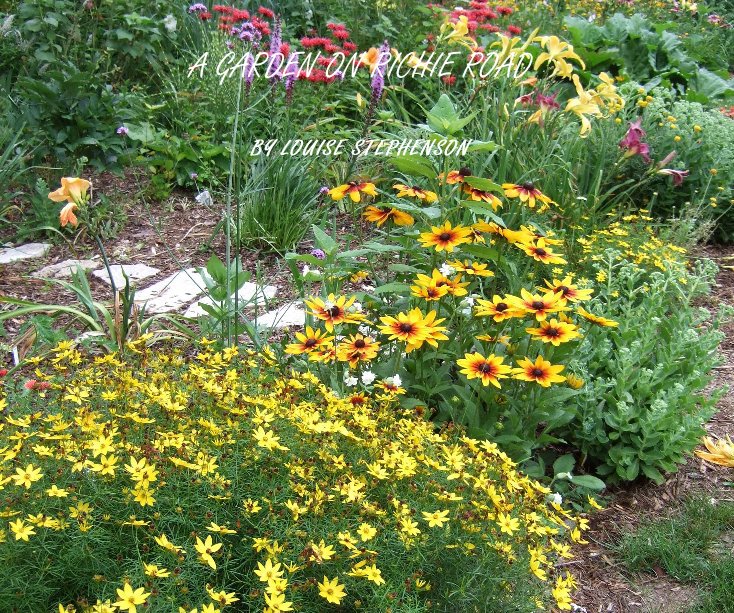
point(324, 241)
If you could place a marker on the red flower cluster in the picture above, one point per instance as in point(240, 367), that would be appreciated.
point(229, 17)
point(480, 15)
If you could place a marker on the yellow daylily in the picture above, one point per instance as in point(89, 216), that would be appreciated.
point(458, 33)
point(582, 106)
point(557, 52)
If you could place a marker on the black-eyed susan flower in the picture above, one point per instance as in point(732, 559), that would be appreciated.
point(536, 304)
point(554, 332)
point(309, 341)
point(527, 193)
point(429, 290)
point(454, 286)
point(353, 189)
point(357, 348)
point(488, 369)
point(455, 176)
point(498, 309)
point(445, 237)
point(414, 328)
point(479, 195)
point(596, 319)
point(540, 252)
point(415, 192)
point(380, 215)
point(471, 268)
point(334, 311)
point(541, 371)
point(568, 290)
point(517, 237)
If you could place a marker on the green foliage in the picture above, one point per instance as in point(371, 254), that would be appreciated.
point(646, 52)
point(277, 204)
point(643, 407)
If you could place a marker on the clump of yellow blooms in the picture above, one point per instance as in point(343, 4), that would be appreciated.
point(168, 483)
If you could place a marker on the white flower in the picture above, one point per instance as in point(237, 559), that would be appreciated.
point(446, 270)
point(356, 308)
point(557, 498)
point(204, 198)
point(350, 381)
point(364, 330)
point(395, 380)
point(368, 288)
point(305, 270)
point(368, 377)
point(170, 23)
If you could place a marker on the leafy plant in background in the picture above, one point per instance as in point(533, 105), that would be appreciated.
point(648, 53)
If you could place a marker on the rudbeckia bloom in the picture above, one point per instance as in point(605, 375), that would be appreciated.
point(357, 348)
point(554, 332)
point(498, 309)
point(429, 291)
point(415, 192)
point(380, 215)
point(526, 192)
point(541, 253)
point(414, 329)
point(479, 195)
point(333, 311)
point(568, 290)
point(596, 319)
point(489, 369)
point(353, 190)
point(445, 237)
point(454, 286)
point(541, 371)
point(535, 304)
point(308, 342)
point(455, 176)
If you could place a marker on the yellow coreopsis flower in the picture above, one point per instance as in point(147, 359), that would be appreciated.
point(331, 590)
point(130, 598)
point(205, 549)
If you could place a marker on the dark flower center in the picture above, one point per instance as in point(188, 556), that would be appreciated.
point(334, 311)
point(444, 237)
point(563, 290)
point(540, 251)
point(360, 344)
point(537, 372)
point(485, 368)
point(501, 306)
point(406, 328)
point(464, 171)
point(554, 332)
point(538, 305)
point(311, 342)
point(528, 186)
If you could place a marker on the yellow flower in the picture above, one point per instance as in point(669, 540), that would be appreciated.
point(129, 598)
point(719, 452)
point(266, 572)
point(223, 598)
point(153, 571)
point(21, 530)
point(212, 527)
point(508, 524)
point(205, 550)
point(436, 519)
point(331, 590)
point(366, 532)
point(26, 476)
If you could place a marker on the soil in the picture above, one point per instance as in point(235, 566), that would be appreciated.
point(604, 586)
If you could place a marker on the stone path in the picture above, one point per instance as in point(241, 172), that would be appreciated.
point(182, 292)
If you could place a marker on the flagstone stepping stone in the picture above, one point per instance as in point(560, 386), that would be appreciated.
point(23, 252)
point(290, 314)
point(63, 270)
point(134, 272)
point(245, 297)
point(173, 293)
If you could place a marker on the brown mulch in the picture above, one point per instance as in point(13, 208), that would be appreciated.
point(604, 586)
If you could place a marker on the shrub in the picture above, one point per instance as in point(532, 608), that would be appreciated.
point(644, 405)
point(219, 478)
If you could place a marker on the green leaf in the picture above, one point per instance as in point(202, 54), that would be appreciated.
point(217, 270)
point(481, 251)
point(397, 288)
point(484, 184)
point(593, 483)
point(414, 165)
point(564, 464)
point(324, 241)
